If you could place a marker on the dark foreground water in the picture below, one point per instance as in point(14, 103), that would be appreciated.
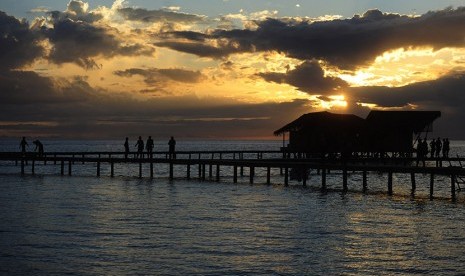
point(124, 225)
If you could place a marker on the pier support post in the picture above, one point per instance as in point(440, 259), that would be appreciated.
point(414, 184)
point(268, 175)
point(33, 169)
point(171, 170)
point(217, 173)
point(203, 171)
point(242, 170)
point(344, 180)
point(431, 186)
point(112, 169)
point(69, 167)
point(390, 183)
point(323, 179)
point(252, 172)
point(151, 169)
point(286, 176)
point(98, 169)
point(62, 167)
point(200, 171)
point(452, 186)
point(188, 171)
point(235, 174)
point(364, 181)
point(22, 166)
point(304, 177)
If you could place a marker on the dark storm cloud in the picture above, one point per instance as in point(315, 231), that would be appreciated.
point(346, 43)
point(18, 44)
point(307, 77)
point(155, 75)
point(145, 15)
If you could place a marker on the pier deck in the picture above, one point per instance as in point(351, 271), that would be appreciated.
point(450, 167)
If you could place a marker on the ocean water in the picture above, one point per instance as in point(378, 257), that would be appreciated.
point(84, 225)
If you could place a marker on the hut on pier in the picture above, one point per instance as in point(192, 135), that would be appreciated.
point(320, 133)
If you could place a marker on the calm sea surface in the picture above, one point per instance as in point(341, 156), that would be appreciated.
point(81, 224)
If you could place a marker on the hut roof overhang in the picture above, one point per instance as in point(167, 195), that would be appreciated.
point(322, 120)
point(416, 121)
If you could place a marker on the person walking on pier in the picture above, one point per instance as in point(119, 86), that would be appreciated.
point(140, 148)
point(39, 147)
point(126, 148)
point(149, 146)
point(172, 145)
point(23, 144)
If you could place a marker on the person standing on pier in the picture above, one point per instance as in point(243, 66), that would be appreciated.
point(432, 145)
point(172, 145)
point(39, 147)
point(445, 148)
point(149, 146)
point(126, 148)
point(438, 147)
point(140, 148)
point(23, 144)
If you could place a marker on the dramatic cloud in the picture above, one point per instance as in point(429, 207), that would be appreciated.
point(19, 45)
point(145, 15)
point(156, 75)
point(443, 93)
point(74, 109)
point(347, 43)
point(79, 42)
point(307, 77)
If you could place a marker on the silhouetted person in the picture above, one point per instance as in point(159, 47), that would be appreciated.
point(149, 146)
point(172, 145)
point(140, 148)
point(438, 146)
point(23, 144)
point(445, 148)
point(39, 147)
point(126, 148)
point(433, 147)
point(422, 151)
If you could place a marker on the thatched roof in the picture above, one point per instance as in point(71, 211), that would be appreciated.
point(322, 120)
point(412, 120)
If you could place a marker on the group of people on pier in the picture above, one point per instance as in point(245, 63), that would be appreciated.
point(148, 146)
point(39, 146)
point(436, 148)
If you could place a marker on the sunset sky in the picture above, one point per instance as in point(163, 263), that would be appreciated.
point(223, 68)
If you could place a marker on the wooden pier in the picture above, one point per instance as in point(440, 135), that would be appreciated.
point(238, 160)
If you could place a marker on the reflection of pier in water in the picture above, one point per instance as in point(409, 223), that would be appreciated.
point(239, 160)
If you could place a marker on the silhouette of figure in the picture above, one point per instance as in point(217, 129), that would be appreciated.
point(422, 151)
point(39, 147)
point(126, 148)
point(149, 146)
point(445, 148)
point(172, 145)
point(433, 147)
point(140, 148)
point(23, 144)
point(438, 146)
